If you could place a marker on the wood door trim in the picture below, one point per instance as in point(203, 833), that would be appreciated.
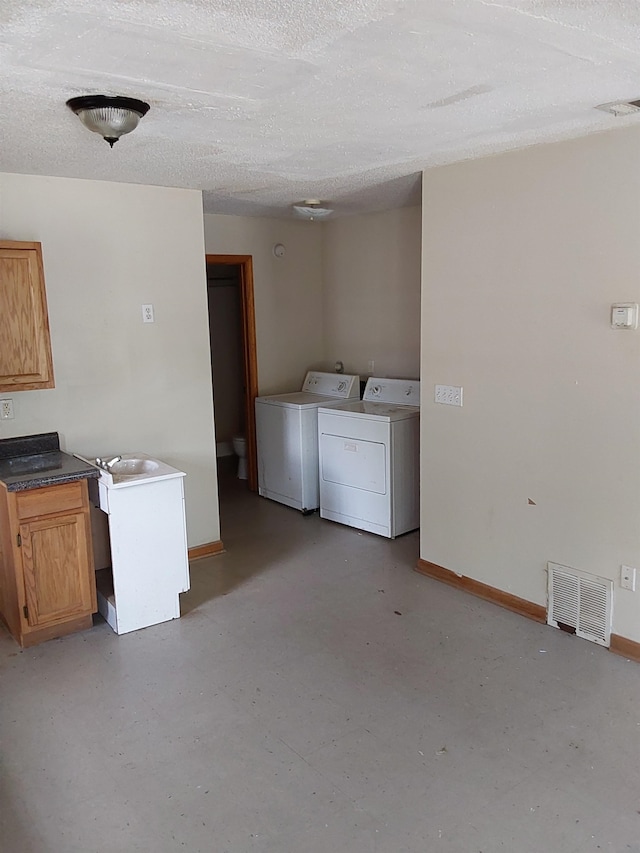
point(249, 355)
point(228, 259)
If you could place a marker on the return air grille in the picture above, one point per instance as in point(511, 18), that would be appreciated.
point(581, 602)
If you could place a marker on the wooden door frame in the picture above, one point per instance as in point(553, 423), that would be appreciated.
point(249, 354)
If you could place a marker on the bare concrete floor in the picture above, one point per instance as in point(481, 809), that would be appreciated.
point(318, 696)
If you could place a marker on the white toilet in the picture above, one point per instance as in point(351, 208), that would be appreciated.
point(240, 448)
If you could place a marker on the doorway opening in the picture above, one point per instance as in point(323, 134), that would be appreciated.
point(234, 364)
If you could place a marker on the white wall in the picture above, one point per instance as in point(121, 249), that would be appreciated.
point(523, 255)
point(288, 292)
point(372, 292)
point(121, 385)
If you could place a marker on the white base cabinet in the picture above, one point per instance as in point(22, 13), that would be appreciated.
point(148, 543)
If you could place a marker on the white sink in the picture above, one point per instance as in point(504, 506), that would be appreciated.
point(133, 466)
point(143, 499)
point(136, 468)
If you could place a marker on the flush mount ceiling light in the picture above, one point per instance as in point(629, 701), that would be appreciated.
point(312, 209)
point(620, 108)
point(109, 116)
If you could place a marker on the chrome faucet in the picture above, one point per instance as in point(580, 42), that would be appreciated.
point(106, 464)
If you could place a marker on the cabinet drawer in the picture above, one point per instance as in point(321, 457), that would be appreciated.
point(50, 499)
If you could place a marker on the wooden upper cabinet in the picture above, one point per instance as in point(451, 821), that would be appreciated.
point(25, 345)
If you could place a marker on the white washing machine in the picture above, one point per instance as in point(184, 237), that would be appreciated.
point(287, 437)
point(369, 456)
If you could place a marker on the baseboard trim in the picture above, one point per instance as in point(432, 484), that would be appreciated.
point(618, 645)
point(209, 549)
point(482, 590)
point(627, 648)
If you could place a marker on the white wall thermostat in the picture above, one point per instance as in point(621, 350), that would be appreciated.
point(279, 250)
point(624, 315)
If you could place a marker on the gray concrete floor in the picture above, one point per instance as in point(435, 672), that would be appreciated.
point(319, 696)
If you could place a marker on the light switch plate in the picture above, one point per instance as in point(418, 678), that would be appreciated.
point(449, 395)
point(628, 578)
point(624, 315)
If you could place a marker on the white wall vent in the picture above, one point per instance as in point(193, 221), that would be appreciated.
point(579, 602)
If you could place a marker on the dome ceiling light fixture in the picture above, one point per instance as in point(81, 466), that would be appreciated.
point(312, 209)
point(110, 116)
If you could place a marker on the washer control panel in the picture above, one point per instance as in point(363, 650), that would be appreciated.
point(340, 385)
point(402, 392)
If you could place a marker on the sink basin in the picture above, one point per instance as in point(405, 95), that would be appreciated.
point(136, 468)
point(133, 467)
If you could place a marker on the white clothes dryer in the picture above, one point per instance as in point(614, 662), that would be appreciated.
point(287, 437)
point(369, 457)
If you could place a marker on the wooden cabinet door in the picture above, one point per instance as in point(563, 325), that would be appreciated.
point(25, 347)
point(54, 565)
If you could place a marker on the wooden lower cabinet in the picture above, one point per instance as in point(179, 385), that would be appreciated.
point(47, 580)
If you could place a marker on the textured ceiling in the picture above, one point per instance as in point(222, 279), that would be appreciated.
point(263, 103)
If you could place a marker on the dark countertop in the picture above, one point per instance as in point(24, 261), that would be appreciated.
point(33, 461)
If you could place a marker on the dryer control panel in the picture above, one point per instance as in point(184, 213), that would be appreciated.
point(402, 392)
point(339, 385)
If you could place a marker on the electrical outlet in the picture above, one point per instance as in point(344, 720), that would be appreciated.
point(6, 409)
point(147, 314)
point(628, 578)
point(449, 395)
point(372, 366)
